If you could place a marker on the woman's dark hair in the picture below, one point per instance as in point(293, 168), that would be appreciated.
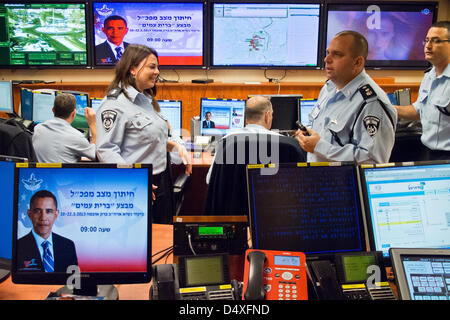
point(134, 54)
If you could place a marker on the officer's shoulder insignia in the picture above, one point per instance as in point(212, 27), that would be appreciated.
point(108, 119)
point(114, 93)
point(367, 92)
point(372, 125)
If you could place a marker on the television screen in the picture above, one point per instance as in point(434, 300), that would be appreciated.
point(265, 34)
point(174, 29)
point(308, 208)
point(99, 228)
point(6, 97)
point(171, 110)
point(221, 116)
point(82, 103)
point(306, 105)
point(407, 206)
point(395, 32)
point(43, 34)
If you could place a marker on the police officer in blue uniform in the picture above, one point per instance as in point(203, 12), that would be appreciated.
point(130, 128)
point(353, 119)
point(433, 104)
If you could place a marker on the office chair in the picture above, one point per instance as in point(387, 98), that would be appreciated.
point(227, 190)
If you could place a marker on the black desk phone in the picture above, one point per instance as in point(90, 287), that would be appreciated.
point(198, 277)
point(353, 276)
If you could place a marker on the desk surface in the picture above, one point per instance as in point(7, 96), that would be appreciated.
point(161, 239)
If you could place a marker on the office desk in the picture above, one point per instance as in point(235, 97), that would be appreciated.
point(161, 239)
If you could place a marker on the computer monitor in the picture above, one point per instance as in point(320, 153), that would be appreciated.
point(6, 97)
point(305, 207)
point(421, 274)
point(286, 111)
point(265, 34)
point(172, 111)
point(82, 103)
point(175, 29)
point(36, 105)
point(101, 225)
point(406, 205)
point(43, 34)
point(95, 103)
point(394, 30)
point(7, 165)
point(219, 117)
point(306, 106)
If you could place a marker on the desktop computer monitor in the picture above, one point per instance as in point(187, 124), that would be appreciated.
point(221, 116)
point(36, 105)
point(95, 103)
point(97, 228)
point(286, 111)
point(407, 205)
point(82, 102)
point(172, 111)
point(6, 97)
point(306, 106)
point(305, 207)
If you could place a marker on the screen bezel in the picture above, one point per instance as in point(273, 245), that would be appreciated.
point(366, 204)
point(161, 67)
point(319, 61)
point(24, 277)
point(87, 31)
point(329, 255)
point(361, 6)
point(397, 255)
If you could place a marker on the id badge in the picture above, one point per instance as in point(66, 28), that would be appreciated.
point(315, 111)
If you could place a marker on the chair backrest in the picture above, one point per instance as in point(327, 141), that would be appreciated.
point(227, 190)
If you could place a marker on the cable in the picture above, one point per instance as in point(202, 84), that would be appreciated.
point(190, 244)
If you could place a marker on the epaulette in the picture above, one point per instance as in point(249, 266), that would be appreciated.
point(114, 93)
point(367, 92)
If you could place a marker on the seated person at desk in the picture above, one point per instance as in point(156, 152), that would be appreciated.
point(432, 107)
point(56, 141)
point(259, 115)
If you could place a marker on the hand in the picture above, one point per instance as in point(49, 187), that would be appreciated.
point(89, 113)
point(153, 194)
point(307, 143)
point(186, 158)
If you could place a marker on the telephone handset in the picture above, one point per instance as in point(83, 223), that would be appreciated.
point(274, 275)
point(165, 284)
point(323, 280)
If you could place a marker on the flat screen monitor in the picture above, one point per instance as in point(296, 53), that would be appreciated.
point(221, 116)
point(97, 220)
point(175, 29)
point(172, 111)
point(6, 97)
point(36, 105)
point(95, 103)
point(306, 106)
point(407, 206)
point(422, 274)
point(82, 103)
point(286, 111)
point(306, 207)
point(394, 31)
point(43, 34)
point(266, 34)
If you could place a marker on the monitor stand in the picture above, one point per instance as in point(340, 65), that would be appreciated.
point(4, 274)
point(107, 292)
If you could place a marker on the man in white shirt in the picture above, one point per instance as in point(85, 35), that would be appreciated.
point(259, 115)
point(56, 141)
point(109, 52)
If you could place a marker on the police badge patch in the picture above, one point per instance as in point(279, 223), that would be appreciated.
point(372, 124)
point(108, 119)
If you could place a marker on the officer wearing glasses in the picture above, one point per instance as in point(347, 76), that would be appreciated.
point(433, 104)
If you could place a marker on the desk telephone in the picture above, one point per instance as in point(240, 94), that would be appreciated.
point(274, 275)
point(353, 276)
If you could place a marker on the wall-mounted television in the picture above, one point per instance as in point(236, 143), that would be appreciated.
point(43, 34)
point(175, 29)
point(265, 34)
point(395, 31)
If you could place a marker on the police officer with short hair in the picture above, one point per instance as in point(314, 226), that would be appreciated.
point(433, 103)
point(353, 119)
point(130, 128)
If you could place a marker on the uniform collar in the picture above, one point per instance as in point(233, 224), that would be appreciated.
point(446, 72)
point(351, 87)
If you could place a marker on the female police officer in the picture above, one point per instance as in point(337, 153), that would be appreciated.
point(130, 129)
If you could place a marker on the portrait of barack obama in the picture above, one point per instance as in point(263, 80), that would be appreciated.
point(41, 249)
